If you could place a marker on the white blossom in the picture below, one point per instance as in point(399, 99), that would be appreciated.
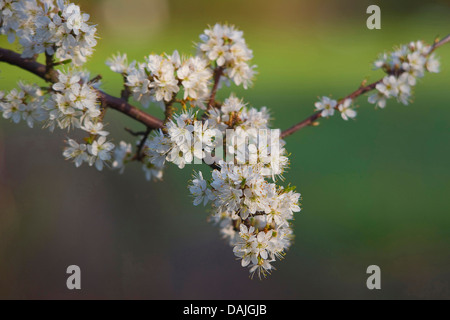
point(101, 148)
point(403, 66)
point(122, 155)
point(119, 64)
point(226, 46)
point(41, 26)
point(346, 110)
point(152, 172)
point(23, 103)
point(76, 103)
point(326, 106)
point(199, 189)
point(76, 152)
point(195, 77)
point(94, 128)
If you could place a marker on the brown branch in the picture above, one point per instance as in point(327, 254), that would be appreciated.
point(363, 89)
point(168, 112)
point(135, 133)
point(126, 92)
point(218, 72)
point(307, 122)
point(49, 63)
point(115, 103)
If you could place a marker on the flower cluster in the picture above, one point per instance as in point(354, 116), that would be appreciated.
point(93, 152)
point(161, 77)
point(259, 248)
point(119, 64)
point(189, 139)
point(26, 103)
point(251, 141)
point(58, 29)
point(76, 106)
point(252, 212)
point(226, 47)
point(403, 67)
point(72, 104)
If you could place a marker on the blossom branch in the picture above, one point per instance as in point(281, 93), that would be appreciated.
point(254, 212)
point(217, 74)
point(362, 90)
point(51, 75)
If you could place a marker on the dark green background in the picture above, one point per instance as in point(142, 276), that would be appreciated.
point(375, 190)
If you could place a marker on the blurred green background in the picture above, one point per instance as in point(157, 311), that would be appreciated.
point(375, 190)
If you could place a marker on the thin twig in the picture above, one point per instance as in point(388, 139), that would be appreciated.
point(139, 155)
point(440, 43)
point(135, 133)
point(126, 92)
